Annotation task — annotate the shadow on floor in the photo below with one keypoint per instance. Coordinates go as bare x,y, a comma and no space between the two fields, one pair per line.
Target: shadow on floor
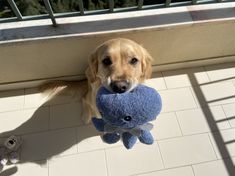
46,143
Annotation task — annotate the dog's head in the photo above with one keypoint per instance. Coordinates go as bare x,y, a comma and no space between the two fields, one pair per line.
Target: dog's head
119,65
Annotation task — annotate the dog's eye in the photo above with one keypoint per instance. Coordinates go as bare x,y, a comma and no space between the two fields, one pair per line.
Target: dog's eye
107,61
134,61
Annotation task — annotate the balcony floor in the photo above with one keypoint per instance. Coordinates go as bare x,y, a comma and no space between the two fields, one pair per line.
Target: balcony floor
195,133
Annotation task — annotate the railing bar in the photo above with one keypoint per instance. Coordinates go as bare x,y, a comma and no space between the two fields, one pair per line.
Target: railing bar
111,5
6,20
207,2
50,12
15,9
140,4
81,7
194,2
168,3
175,4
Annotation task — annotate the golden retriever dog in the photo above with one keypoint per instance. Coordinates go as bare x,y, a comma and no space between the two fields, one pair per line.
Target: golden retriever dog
117,64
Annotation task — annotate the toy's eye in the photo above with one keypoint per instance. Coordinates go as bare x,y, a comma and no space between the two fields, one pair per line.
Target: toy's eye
127,118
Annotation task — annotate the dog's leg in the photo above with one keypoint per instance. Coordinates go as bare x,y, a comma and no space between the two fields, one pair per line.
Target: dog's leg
89,105
87,109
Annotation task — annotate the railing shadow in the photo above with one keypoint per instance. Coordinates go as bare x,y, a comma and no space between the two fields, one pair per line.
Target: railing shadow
47,147
209,117
220,143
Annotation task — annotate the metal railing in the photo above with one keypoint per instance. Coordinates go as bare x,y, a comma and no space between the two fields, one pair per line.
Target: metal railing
140,6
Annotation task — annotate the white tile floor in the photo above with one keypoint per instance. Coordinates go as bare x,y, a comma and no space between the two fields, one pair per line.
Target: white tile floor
195,133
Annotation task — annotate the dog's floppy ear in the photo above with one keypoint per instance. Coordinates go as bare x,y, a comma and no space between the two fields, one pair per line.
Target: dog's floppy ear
91,72
146,64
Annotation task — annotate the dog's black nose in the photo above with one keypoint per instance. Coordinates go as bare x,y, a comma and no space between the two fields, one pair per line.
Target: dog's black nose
119,86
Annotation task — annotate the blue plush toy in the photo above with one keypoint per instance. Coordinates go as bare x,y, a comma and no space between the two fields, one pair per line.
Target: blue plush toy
126,115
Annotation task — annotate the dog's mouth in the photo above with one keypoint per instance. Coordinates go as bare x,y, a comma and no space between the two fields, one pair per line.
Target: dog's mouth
119,86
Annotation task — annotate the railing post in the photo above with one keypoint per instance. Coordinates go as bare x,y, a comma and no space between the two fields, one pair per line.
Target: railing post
50,12
168,2
194,2
140,4
15,9
111,5
81,7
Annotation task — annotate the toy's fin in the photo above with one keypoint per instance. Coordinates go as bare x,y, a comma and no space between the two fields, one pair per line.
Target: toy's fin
111,138
146,137
98,123
146,127
128,140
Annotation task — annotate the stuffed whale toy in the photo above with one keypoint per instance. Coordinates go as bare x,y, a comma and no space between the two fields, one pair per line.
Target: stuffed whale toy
127,115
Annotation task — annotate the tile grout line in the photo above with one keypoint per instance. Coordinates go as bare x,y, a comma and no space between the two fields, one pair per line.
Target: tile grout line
24,100
176,116
193,170
176,167
106,162
197,108
196,101
229,121
77,139
185,72
23,109
194,85
48,168
49,119
74,154
188,135
181,166
188,165
159,149
120,145
163,77
61,128
16,110
212,146
202,106
206,71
